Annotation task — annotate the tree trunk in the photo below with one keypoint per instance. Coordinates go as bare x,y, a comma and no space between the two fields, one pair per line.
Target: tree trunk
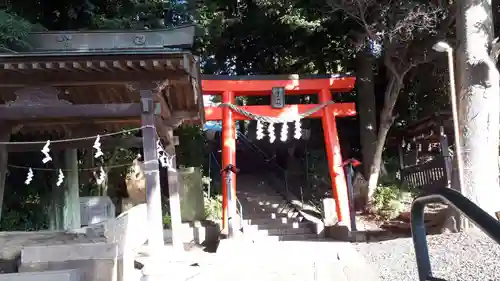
367,108
386,120
479,110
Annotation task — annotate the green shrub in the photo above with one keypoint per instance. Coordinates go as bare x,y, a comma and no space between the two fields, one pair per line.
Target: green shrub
167,221
388,200
213,207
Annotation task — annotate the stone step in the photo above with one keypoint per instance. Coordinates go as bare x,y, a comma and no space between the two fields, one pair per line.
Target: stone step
267,220
288,237
268,215
265,210
252,197
255,230
295,224
263,204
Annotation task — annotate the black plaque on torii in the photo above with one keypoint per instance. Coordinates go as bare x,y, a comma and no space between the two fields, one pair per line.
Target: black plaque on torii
278,97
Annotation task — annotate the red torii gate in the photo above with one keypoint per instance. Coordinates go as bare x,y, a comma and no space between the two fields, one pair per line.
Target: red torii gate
230,86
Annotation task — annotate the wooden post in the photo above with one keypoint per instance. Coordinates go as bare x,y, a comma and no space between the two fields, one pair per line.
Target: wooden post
174,199
71,209
4,137
152,173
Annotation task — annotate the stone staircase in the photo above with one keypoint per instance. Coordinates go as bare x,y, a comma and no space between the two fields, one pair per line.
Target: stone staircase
266,214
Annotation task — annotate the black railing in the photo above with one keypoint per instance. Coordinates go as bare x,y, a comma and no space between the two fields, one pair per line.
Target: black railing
456,200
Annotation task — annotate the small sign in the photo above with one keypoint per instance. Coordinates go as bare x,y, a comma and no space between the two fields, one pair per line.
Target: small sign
278,97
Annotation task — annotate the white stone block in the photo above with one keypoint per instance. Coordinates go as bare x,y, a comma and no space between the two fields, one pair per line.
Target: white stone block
56,275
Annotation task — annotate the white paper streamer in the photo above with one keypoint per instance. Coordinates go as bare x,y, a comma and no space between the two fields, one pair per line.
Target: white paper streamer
298,129
162,155
60,178
45,150
102,176
270,132
170,163
29,177
260,130
97,147
284,132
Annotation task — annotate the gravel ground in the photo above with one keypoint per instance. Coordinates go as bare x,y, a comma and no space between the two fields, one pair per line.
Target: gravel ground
458,256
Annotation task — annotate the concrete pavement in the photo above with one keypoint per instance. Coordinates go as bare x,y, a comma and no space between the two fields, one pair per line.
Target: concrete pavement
274,261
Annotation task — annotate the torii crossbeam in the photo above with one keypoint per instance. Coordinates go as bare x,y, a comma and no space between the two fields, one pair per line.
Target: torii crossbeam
230,86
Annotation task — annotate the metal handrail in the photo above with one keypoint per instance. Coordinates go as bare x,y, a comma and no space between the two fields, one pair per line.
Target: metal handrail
456,200
240,206
273,165
240,210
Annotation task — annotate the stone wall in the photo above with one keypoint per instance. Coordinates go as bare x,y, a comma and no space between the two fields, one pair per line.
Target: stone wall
103,252
191,194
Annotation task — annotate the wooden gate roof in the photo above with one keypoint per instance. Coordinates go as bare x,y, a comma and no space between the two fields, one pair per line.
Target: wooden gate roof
99,77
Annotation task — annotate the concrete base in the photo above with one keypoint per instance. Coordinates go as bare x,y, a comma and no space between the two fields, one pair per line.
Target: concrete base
198,232
235,245
98,262
338,232
172,271
56,275
11,244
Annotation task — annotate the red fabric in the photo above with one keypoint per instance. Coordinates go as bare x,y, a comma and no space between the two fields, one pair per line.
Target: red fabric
354,162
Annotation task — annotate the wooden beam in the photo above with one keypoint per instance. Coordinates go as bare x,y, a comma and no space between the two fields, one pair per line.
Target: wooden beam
59,78
178,117
340,110
129,121
16,113
256,87
106,143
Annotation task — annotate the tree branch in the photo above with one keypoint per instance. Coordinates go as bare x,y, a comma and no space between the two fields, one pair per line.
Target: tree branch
390,65
356,10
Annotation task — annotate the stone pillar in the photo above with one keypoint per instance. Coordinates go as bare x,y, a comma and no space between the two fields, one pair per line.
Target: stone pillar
4,137
71,209
57,198
174,199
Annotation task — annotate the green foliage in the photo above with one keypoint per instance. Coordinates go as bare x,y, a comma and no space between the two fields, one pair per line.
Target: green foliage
213,207
128,15
387,200
167,221
391,197
192,149
27,217
13,32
